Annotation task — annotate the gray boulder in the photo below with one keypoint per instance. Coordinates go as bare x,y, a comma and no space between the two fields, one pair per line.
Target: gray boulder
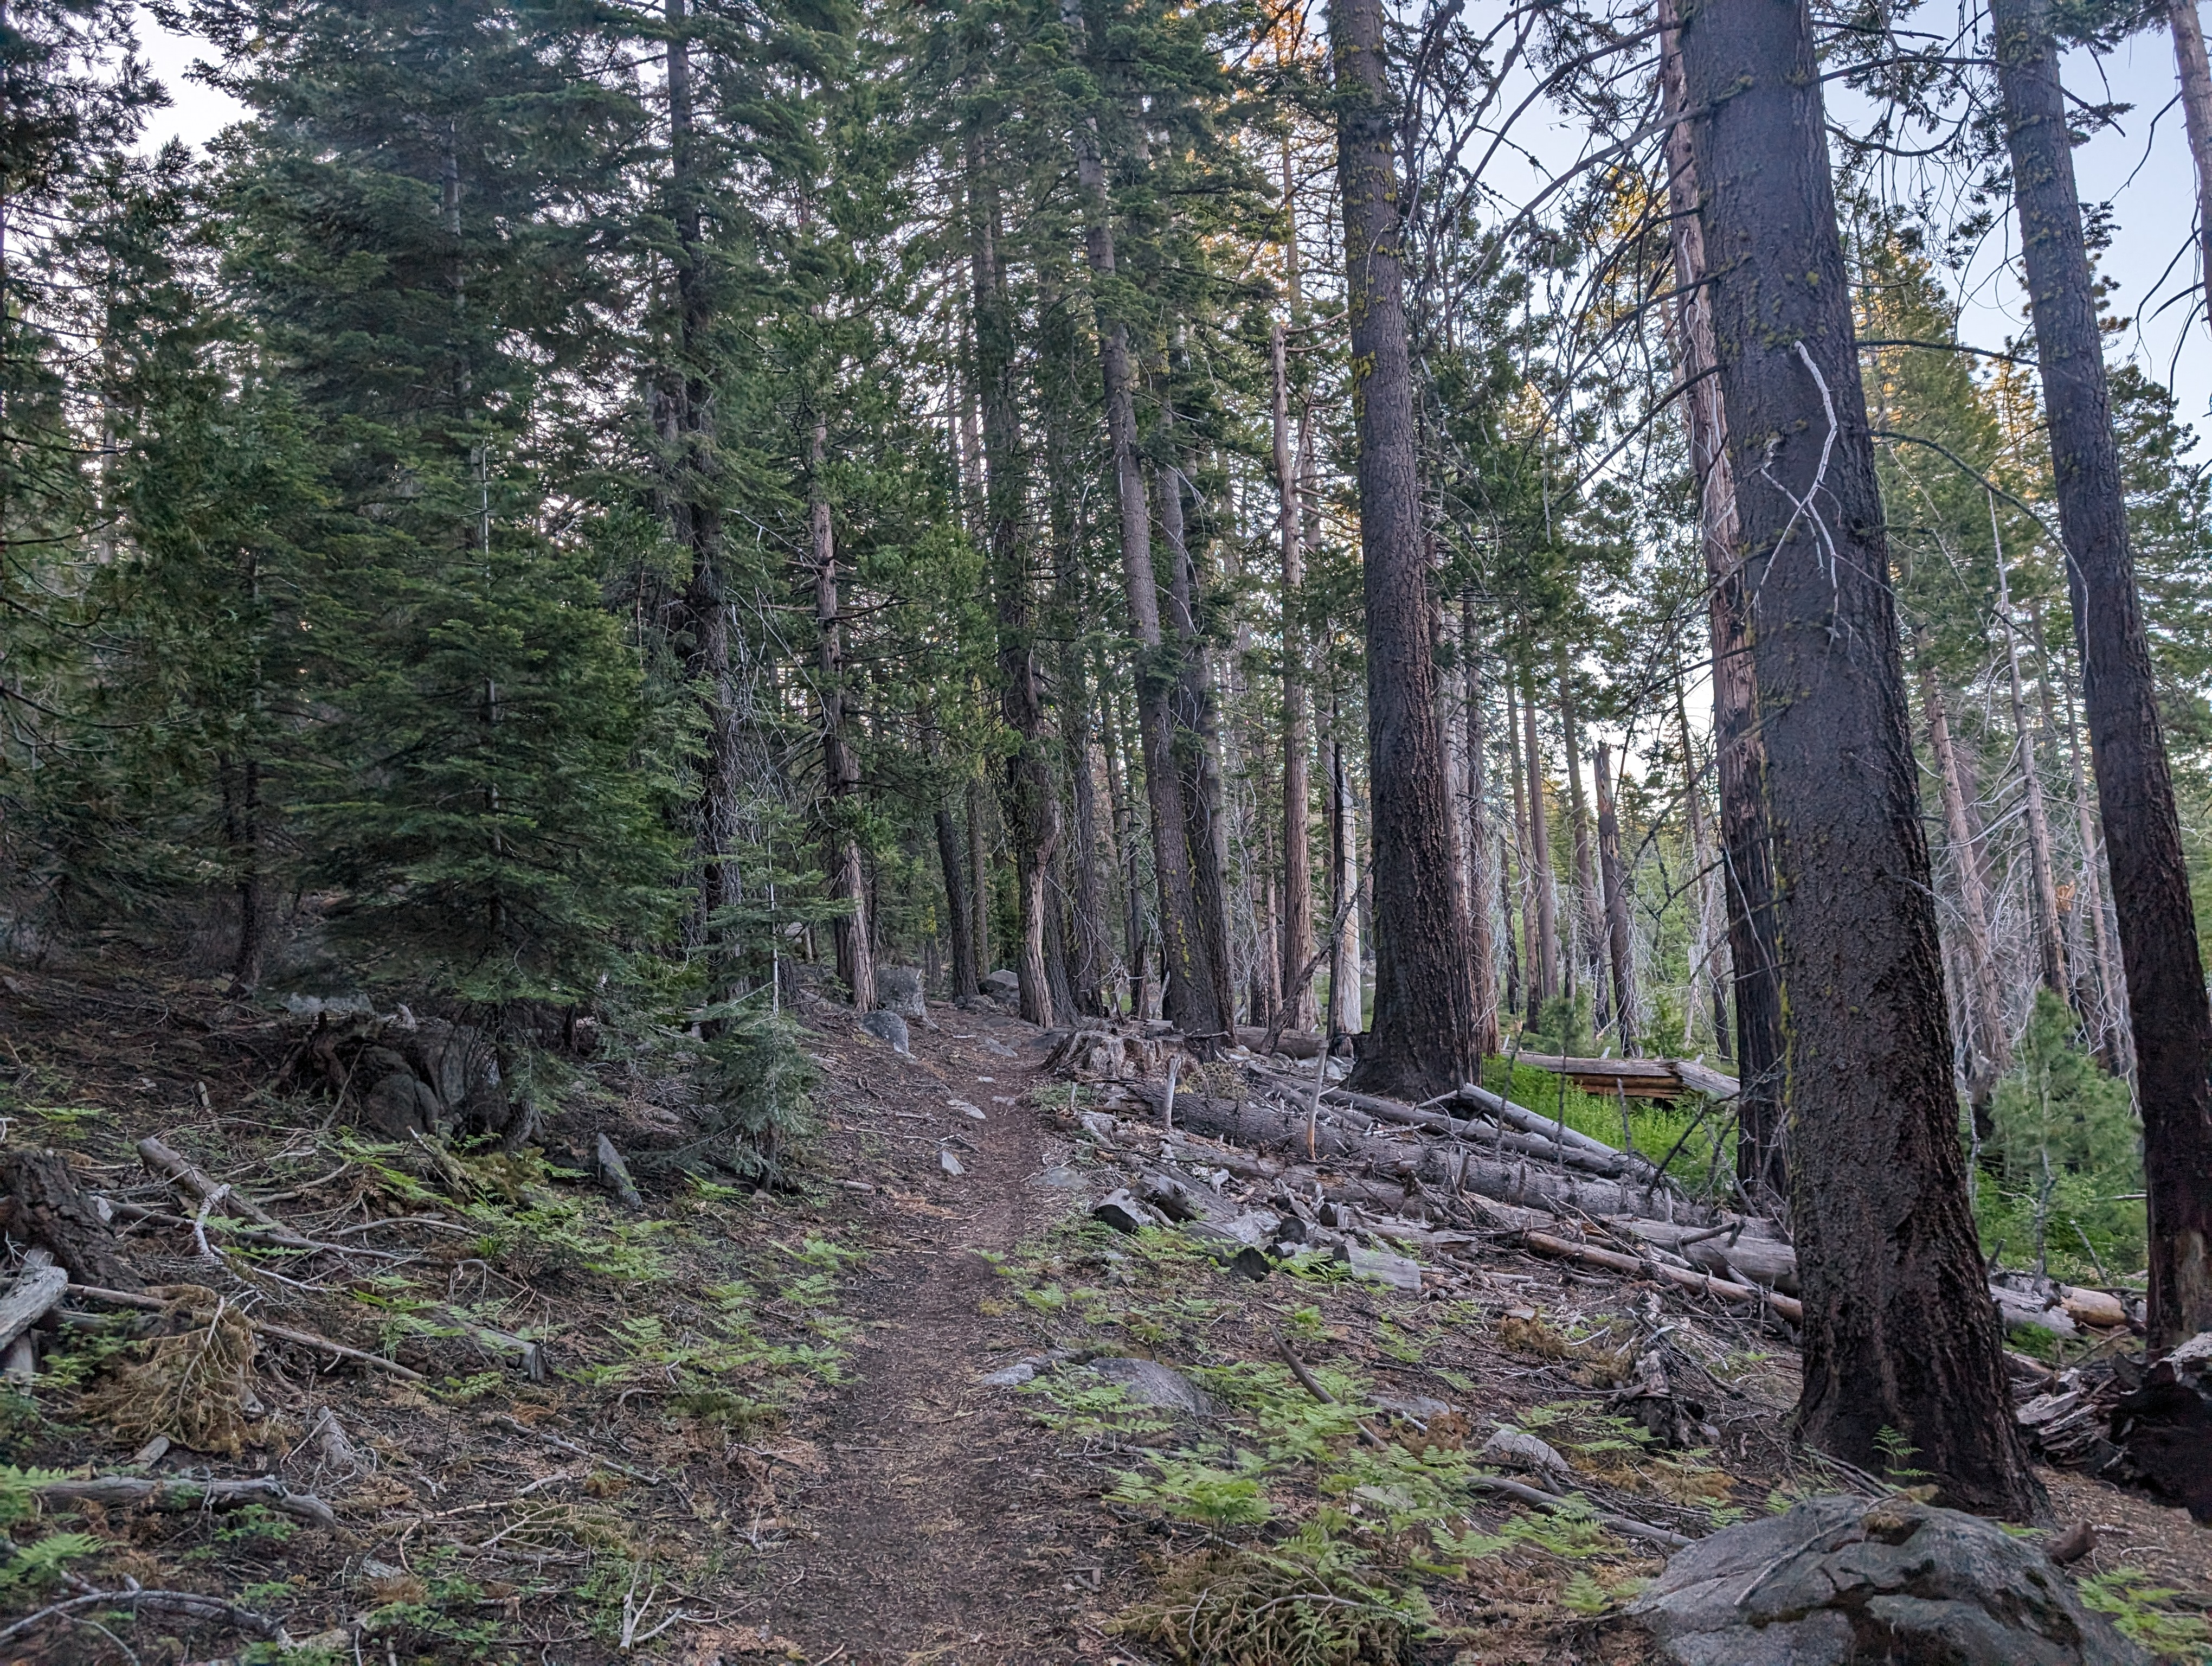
898,989
1149,1382
887,1027
1002,985
1845,1582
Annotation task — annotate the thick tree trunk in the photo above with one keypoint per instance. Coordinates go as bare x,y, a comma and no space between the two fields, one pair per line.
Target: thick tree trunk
1197,739
1900,1332
2143,832
1479,886
1739,750
1297,735
2189,58
1190,998
1421,1040
1991,1040
840,765
1545,966
1616,901
1035,819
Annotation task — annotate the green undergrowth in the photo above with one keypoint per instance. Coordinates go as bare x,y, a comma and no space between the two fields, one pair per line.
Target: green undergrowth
1289,1536
2058,1181
1696,1143
2146,1612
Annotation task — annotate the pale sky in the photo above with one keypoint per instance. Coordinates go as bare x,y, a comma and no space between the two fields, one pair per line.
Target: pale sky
2142,169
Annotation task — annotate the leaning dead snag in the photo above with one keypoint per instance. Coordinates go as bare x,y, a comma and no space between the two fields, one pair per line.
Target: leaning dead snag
1899,1334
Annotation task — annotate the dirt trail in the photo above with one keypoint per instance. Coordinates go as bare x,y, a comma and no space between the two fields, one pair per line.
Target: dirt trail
928,1530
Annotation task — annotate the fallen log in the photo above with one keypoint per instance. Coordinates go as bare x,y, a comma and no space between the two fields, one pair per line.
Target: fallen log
1456,1167
1608,1164
165,1493
1648,1267
186,1604
199,1185
1291,1044
37,1289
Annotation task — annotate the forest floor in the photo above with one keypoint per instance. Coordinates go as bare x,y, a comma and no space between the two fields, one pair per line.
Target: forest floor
759,1427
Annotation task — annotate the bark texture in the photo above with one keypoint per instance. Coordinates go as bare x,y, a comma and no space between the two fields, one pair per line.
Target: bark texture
2167,1002
2196,75
685,418
1616,901
1297,735
1739,751
1990,1038
1479,882
1188,999
1421,1039
1900,1332
1035,818
840,764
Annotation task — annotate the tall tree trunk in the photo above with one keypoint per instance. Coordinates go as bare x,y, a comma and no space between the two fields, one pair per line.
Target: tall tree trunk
2049,946
840,765
1035,821
1526,977
1710,908
965,983
1616,901
1899,1330
2167,1001
2114,1050
959,922
978,869
1197,739
1086,968
1298,739
1421,1040
1479,886
1592,923
1347,1007
1739,750
1125,840
695,517
2189,58
1991,1040
1546,978
1190,998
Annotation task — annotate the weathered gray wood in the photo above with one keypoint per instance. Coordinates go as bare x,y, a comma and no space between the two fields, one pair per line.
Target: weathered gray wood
166,1494
614,1175
37,1291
